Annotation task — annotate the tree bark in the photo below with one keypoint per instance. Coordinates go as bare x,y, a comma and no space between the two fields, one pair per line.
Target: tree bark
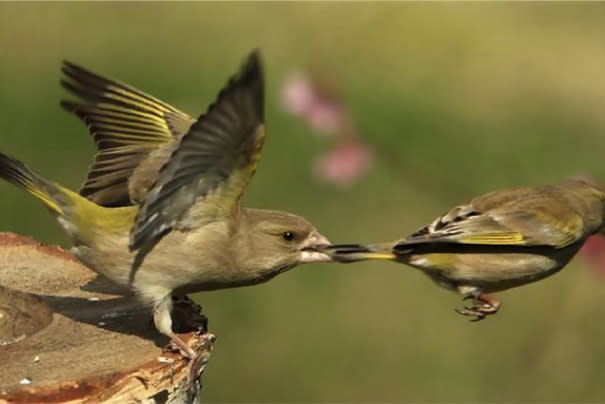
69,336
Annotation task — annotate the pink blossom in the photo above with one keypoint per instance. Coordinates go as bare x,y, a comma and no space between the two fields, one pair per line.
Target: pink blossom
319,105
345,163
593,252
298,94
326,117
306,98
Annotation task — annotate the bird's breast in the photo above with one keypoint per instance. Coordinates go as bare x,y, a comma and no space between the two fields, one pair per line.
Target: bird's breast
492,271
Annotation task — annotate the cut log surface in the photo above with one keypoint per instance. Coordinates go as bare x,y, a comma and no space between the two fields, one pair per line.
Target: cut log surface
68,336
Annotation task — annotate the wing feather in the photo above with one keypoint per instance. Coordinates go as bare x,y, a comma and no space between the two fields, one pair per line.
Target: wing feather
119,117
530,218
213,163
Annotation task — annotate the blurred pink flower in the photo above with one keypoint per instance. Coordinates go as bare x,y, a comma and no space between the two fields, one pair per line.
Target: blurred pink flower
345,163
326,117
593,252
315,99
298,94
305,98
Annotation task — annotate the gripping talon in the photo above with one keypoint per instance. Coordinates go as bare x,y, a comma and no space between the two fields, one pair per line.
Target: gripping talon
470,312
170,347
478,317
482,307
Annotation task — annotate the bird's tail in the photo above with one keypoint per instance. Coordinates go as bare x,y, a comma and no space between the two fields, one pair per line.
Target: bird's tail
78,216
346,253
18,174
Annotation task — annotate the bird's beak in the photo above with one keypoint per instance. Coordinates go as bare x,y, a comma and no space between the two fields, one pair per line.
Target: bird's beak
311,249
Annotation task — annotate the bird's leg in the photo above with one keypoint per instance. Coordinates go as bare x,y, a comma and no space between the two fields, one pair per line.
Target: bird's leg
195,321
483,305
163,322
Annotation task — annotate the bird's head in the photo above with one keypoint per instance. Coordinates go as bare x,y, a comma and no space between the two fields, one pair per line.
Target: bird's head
281,240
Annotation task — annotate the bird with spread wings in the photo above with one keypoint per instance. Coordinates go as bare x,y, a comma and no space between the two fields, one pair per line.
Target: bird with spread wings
160,212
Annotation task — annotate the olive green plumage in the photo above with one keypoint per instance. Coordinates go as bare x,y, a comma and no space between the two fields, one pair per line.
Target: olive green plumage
496,241
160,210
135,135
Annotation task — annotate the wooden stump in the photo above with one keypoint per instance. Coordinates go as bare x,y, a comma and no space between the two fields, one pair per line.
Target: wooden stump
68,336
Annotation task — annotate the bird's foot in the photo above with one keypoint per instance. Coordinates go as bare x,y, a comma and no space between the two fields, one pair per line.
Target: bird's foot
196,361
483,306
177,344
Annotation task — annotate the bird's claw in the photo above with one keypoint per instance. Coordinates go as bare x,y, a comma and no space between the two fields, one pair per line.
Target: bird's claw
183,350
478,311
468,311
172,347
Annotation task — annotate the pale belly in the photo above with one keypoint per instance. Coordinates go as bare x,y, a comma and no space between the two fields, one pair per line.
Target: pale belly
490,272
180,259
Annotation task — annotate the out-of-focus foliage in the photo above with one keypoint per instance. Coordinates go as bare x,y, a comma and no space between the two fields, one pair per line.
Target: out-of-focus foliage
454,99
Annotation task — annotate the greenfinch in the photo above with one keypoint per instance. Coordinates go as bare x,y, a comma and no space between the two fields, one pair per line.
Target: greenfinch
163,196
497,241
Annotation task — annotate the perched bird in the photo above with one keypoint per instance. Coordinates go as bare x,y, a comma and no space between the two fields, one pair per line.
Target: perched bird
496,241
177,184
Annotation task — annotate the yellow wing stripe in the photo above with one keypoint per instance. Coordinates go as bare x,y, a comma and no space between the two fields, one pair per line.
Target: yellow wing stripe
129,98
138,139
129,112
146,100
110,119
130,129
494,239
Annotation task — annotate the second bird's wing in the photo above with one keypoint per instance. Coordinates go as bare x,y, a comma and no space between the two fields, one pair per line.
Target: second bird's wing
521,217
206,175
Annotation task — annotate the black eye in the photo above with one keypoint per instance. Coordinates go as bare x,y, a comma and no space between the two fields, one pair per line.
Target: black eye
288,236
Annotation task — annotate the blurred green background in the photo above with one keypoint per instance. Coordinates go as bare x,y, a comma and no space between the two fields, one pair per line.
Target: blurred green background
455,99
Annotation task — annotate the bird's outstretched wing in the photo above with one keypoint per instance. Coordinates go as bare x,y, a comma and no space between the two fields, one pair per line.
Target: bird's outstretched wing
126,125
207,174
506,218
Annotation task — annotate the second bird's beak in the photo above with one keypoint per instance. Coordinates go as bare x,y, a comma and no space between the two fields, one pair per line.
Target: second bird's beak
311,249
